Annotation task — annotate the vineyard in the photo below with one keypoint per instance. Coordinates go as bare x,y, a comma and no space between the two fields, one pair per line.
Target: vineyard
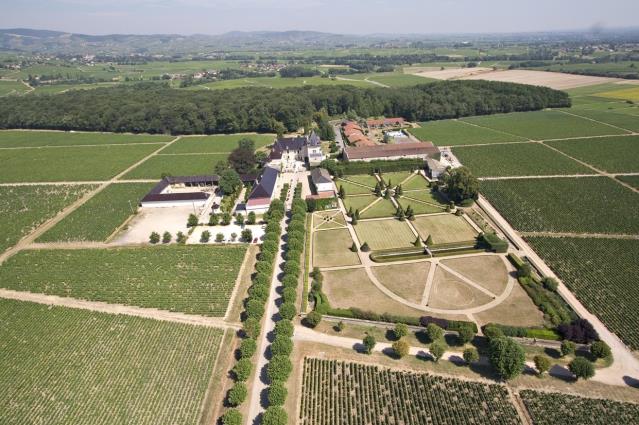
556,408
625,121
216,144
518,159
189,279
585,204
611,154
176,165
600,273
338,392
23,208
15,139
100,216
65,366
458,132
631,180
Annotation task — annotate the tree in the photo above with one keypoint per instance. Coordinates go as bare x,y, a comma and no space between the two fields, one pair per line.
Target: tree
287,311
277,393
219,237
507,357
242,158
154,238
239,219
365,247
434,332
342,192
465,334
582,368
401,348
282,345
460,184
550,284
166,237
418,242
401,330
237,394
251,218
248,346
279,368
242,370
471,355
192,221
378,190
232,417
354,247
600,350
567,348
226,219
214,220
229,181
429,240
251,327
180,238
205,236
340,326
524,271
399,191
275,415
313,319
369,343
354,220
542,363
437,350
247,235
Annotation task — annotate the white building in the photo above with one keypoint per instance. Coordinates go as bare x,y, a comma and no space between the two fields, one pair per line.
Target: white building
290,153
322,181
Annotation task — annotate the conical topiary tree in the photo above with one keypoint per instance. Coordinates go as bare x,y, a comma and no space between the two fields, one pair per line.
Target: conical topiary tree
429,240
354,247
365,247
417,243
378,190
356,214
398,190
342,192
350,212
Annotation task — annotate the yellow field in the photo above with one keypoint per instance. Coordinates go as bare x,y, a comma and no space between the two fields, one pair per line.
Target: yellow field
625,94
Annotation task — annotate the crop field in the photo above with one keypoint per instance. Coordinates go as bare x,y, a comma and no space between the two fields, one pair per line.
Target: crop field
62,88
459,132
385,234
279,83
520,159
618,154
631,180
383,208
8,88
555,408
216,144
189,279
565,204
337,392
23,208
331,248
623,94
600,273
620,120
100,216
176,165
542,125
16,139
444,228
69,163
78,367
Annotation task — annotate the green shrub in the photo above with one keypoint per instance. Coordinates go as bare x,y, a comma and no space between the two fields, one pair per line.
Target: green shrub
550,283
205,236
434,332
166,237
401,348
282,345
465,334
277,393
251,327
600,350
242,370
288,311
471,355
154,238
285,328
255,308
289,295
279,368
232,417
237,394
313,319
275,415
192,221
582,368
568,347
248,346
401,330
542,363
507,357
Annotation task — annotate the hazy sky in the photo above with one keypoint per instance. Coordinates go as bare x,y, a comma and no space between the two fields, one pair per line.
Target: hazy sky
338,16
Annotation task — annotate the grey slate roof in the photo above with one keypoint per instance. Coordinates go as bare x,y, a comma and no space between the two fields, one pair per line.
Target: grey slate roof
266,186
320,175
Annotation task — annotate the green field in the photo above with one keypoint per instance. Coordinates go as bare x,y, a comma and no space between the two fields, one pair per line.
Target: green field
61,88
444,228
622,120
385,234
358,202
520,159
583,205
176,165
459,132
279,83
364,179
23,208
600,272
69,163
216,144
12,138
542,125
100,216
612,154
190,279
331,248
353,189
8,88
417,206
65,366
631,180
383,208
417,182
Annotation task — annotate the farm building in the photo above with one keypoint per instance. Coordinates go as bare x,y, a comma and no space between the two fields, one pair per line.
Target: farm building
355,135
322,181
390,152
260,198
386,122
434,168
289,152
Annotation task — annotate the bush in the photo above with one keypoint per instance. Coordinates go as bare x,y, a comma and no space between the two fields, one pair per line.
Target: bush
287,311
401,348
282,345
313,319
255,308
214,220
232,417
192,221
248,346
237,394
154,238
251,327
471,355
369,343
550,283
166,237
365,247
492,332
251,218
275,415
434,332
567,348
465,335
401,330
284,328
524,271
507,357
582,368
247,235
180,238
277,394
259,292
279,368
600,350
437,349
242,370
579,330
205,236
289,295
542,363
219,237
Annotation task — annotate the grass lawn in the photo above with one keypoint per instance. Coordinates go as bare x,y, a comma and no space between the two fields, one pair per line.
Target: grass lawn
23,208
176,165
456,132
406,280
516,310
520,159
426,195
383,208
444,228
213,144
451,293
14,138
489,271
69,163
541,125
364,179
353,189
612,154
396,178
80,367
419,207
331,248
332,219
358,202
189,279
385,234
417,182
100,216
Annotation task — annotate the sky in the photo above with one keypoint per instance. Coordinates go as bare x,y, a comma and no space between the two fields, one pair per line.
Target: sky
336,16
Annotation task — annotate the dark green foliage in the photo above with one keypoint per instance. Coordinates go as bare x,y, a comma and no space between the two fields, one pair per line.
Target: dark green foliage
277,394
567,348
251,327
282,345
248,346
313,319
192,221
166,237
471,355
180,238
507,357
542,363
284,327
437,350
237,394
401,330
365,247
275,415
251,218
289,295
279,368
582,368
460,184
287,311
214,220
600,350
205,236
154,238
465,334
242,370
369,343
255,308
434,332
550,284
232,417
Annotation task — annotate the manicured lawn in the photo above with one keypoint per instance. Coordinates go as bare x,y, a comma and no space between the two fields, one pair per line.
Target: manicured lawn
101,215
456,132
444,228
383,208
23,208
611,154
520,159
331,248
14,138
358,202
419,207
364,179
417,182
69,163
427,196
353,189
66,366
328,220
190,279
385,234
406,280
212,144
176,165
396,177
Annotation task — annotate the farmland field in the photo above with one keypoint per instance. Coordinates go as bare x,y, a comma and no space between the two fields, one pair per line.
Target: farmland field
621,120
541,125
8,87
612,154
80,367
13,139
100,216
23,208
459,132
600,273
176,165
69,163
623,94
216,144
189,279
631,180
555,408
565,204
444,228
337,392
521,159
385,234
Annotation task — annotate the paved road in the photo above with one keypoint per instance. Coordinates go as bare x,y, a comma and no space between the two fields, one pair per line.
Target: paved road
338,137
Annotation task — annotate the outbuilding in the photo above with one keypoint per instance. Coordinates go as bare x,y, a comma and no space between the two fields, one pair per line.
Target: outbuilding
322,180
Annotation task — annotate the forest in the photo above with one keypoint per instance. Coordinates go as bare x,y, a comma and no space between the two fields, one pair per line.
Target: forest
156,108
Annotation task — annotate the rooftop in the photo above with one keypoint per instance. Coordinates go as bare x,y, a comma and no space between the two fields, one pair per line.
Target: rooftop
385,151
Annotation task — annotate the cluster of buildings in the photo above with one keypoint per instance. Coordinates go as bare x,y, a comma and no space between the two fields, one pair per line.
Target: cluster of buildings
291,153
355,135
